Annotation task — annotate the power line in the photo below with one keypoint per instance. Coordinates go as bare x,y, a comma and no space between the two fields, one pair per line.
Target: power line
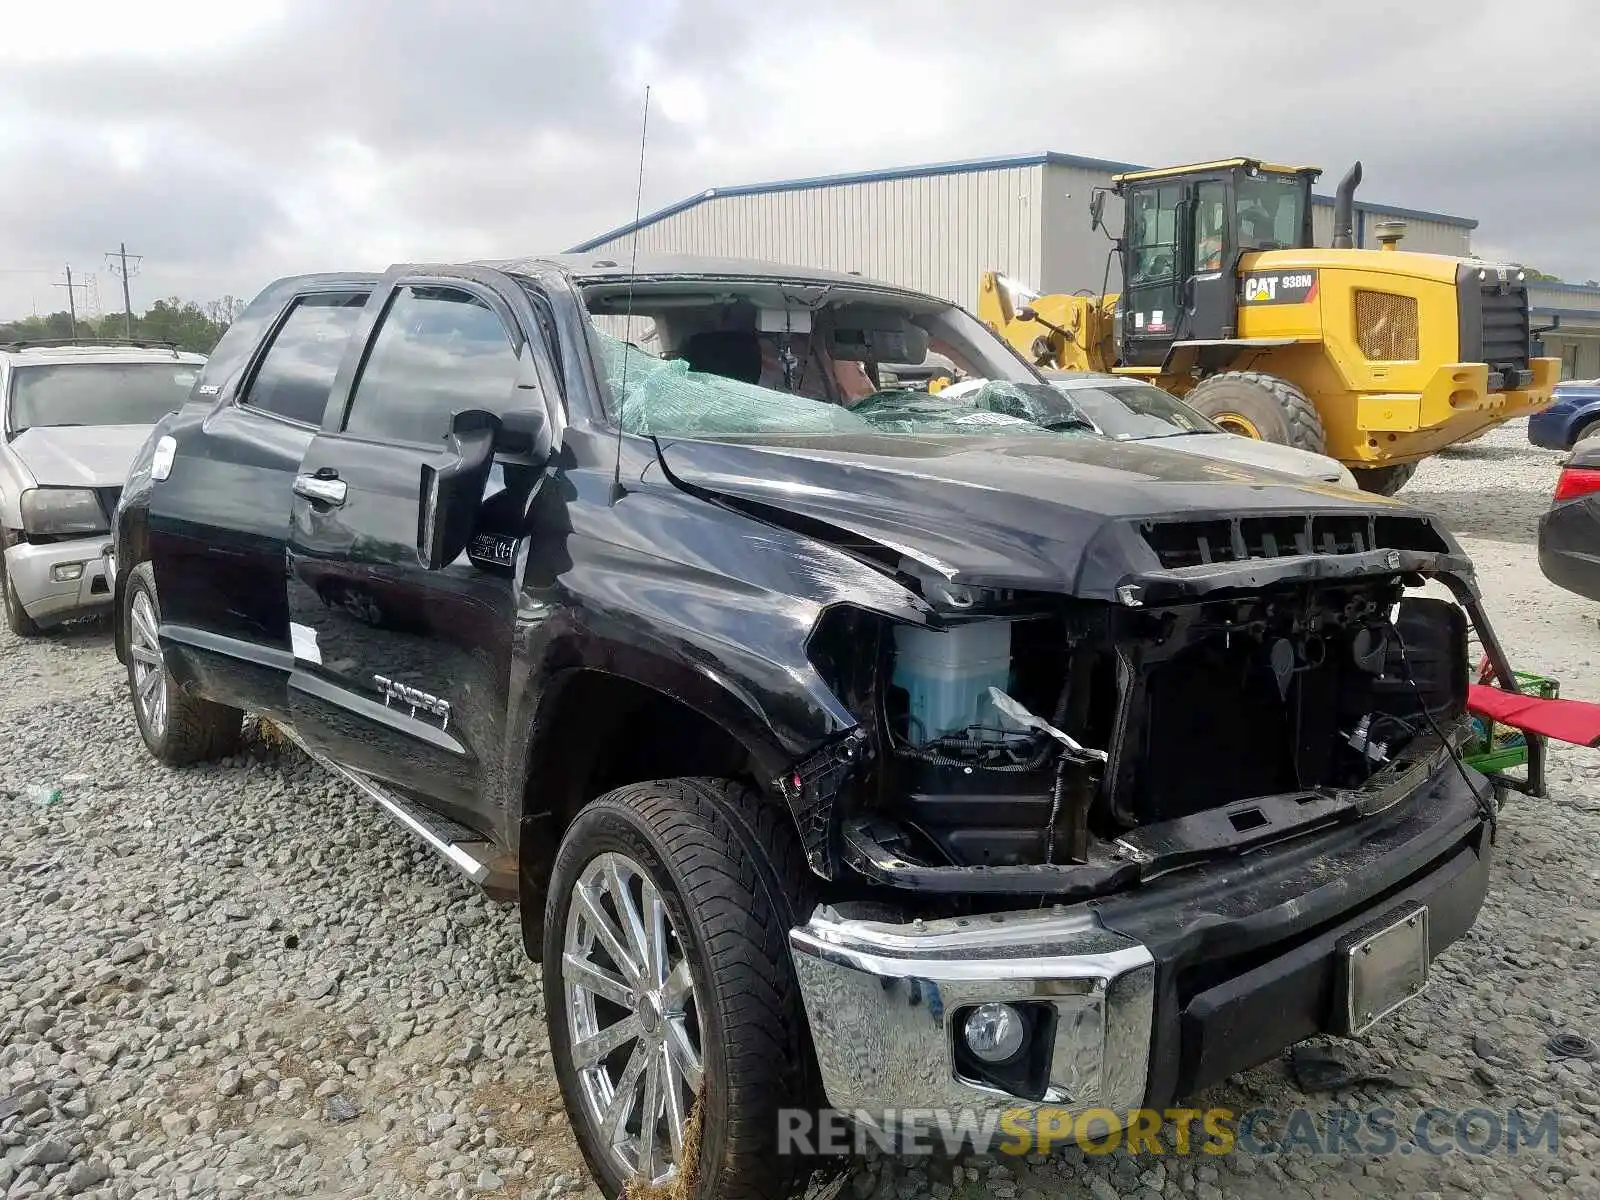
117,260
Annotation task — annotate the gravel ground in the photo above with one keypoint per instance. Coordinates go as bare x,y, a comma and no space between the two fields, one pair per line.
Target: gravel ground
240,980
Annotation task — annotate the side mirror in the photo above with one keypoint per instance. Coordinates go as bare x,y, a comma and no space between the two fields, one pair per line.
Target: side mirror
452,487
525,426
1097,209
524,431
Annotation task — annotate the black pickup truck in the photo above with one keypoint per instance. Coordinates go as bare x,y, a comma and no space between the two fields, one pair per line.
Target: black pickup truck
843,746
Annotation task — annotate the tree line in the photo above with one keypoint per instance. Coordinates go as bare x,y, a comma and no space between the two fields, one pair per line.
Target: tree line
187,324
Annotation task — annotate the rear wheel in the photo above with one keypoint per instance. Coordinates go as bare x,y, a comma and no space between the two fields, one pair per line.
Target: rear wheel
17,618
1385,481
1261,406
178,728
676,1024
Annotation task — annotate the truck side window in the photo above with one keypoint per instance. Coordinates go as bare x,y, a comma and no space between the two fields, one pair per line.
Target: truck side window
297,371
439,350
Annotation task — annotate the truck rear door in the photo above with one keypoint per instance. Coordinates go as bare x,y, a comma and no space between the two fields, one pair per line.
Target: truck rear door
401,671
219,525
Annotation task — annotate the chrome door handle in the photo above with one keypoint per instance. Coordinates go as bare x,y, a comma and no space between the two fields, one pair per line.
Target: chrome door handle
321,490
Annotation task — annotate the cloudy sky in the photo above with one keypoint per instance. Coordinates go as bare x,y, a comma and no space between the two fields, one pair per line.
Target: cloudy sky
231,143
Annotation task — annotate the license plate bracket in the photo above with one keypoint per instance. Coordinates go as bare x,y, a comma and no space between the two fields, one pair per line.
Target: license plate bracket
1382,966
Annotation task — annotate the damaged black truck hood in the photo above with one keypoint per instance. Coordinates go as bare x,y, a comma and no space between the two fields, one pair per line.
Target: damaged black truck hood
1054,513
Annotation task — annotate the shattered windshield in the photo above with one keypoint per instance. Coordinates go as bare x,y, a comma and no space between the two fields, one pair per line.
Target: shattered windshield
1135,411
721,359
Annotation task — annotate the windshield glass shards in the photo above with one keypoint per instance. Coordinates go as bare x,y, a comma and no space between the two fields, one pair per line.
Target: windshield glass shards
720,359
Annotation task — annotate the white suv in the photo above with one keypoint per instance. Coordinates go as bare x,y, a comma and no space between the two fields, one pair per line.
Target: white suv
72,414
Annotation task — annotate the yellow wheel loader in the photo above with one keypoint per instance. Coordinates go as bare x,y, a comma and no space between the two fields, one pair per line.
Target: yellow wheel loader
1378,358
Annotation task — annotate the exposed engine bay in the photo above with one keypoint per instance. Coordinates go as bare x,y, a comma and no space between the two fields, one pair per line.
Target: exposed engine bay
1101,742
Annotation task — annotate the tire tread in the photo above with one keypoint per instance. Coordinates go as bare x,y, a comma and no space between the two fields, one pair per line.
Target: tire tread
1305,428
742,875
198,730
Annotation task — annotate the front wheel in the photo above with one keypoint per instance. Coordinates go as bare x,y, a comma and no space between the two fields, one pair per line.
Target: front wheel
17,618
1385,481
676,1025
178,728
1261,406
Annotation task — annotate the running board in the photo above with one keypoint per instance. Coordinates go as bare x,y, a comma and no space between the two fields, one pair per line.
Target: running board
459,846
480,860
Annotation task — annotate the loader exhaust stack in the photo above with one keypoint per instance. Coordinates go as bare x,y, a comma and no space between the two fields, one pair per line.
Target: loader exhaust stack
1344,224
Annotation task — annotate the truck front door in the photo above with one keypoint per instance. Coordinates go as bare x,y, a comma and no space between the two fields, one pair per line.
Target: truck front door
402,671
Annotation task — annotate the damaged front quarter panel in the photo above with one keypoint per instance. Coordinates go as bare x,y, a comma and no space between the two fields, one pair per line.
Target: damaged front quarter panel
1222,682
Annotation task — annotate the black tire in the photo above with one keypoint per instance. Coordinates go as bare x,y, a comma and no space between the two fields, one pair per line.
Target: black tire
192,729
17,618
1279,411
1385,481
1590,429
730,874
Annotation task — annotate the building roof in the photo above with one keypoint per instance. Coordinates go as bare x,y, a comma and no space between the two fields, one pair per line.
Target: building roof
959,167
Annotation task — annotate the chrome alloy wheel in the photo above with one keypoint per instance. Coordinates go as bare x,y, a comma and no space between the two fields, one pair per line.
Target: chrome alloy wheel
149,670
631,1016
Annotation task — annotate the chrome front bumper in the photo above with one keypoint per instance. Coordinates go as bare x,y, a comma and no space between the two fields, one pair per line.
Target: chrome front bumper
884,1002
62,579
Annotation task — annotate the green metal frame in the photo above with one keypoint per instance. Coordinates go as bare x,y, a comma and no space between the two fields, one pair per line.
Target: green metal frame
1496,747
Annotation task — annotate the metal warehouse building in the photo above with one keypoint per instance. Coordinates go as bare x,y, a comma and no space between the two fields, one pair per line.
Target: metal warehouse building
938,227
1571,314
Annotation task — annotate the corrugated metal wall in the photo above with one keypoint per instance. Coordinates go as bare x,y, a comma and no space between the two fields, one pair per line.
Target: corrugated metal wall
1074,253
1576,339
1563,296
936,233
939,233
1433,237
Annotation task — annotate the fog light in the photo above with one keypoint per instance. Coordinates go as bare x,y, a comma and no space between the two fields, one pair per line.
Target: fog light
995,1033
66,572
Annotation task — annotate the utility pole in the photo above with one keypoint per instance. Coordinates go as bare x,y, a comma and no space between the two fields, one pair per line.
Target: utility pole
72,300
117,260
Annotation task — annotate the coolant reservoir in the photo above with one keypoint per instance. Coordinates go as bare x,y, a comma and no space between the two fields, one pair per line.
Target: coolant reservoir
948,673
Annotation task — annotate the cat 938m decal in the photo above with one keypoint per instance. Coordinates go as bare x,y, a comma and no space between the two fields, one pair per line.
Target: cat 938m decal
1278,287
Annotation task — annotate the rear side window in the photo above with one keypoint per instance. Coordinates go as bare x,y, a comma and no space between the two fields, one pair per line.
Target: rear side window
439,350
296,374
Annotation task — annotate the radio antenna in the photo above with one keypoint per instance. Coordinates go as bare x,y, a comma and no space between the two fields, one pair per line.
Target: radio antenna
633,270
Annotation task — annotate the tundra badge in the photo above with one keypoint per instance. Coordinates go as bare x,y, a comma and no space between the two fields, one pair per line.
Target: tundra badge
413,699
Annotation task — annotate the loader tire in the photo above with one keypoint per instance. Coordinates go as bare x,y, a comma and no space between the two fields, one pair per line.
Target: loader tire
1255,404
1385,481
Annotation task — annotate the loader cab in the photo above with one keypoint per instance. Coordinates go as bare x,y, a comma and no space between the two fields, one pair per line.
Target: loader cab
1184,230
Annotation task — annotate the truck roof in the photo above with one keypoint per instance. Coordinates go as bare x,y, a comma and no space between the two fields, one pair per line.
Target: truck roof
600,268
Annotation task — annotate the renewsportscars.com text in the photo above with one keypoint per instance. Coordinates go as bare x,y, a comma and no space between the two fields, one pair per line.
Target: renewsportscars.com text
1211,1131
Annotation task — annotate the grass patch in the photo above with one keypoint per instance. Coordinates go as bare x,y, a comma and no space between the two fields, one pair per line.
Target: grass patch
686,1184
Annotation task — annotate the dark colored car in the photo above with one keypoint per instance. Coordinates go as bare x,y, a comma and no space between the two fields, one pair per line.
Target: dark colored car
1573,415
1569,532
840,747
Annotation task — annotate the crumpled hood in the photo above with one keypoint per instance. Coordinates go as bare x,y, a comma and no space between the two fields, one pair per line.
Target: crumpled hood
1267,455
71,456
1028,512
